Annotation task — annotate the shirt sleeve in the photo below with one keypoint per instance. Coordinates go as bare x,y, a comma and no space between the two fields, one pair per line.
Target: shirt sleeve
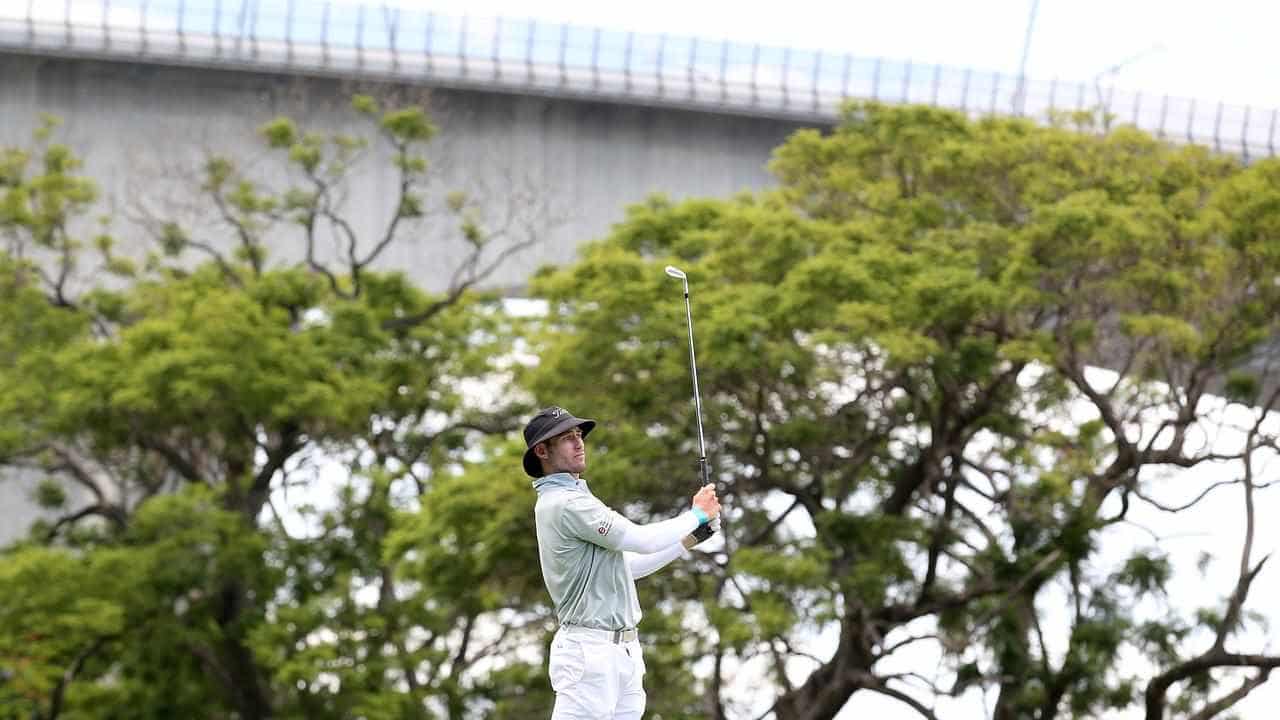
642,565
586,518
651,538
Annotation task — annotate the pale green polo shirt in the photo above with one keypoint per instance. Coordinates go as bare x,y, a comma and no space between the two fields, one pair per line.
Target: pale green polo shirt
585,572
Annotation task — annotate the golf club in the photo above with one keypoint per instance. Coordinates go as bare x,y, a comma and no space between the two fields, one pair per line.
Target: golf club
705,471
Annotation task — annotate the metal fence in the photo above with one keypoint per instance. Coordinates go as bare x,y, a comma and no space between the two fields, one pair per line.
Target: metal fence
528,56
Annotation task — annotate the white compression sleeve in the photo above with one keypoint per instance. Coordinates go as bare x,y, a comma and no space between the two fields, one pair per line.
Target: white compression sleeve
642,565
651,538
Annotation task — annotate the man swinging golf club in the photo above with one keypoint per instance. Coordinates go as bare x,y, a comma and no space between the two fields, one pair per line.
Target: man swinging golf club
591,557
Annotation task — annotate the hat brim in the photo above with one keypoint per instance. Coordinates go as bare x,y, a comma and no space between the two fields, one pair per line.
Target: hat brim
532,465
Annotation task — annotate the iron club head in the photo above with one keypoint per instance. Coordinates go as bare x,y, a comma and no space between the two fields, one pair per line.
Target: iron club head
676,272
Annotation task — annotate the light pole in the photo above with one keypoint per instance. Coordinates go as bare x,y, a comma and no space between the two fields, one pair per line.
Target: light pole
1020,96
1113,71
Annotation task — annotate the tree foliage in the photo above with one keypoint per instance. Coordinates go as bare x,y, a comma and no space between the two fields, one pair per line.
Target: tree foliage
900,352
943,364
167,400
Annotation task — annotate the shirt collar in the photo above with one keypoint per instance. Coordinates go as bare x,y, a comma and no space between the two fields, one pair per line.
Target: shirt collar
558,480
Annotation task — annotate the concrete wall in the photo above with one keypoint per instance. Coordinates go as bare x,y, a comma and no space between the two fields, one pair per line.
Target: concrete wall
566,169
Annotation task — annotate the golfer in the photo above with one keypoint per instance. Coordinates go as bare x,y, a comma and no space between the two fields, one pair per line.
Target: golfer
591,557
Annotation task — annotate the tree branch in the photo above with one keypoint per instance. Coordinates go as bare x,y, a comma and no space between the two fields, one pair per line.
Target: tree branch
1230,699
59,690
878,685
1159,685
111,512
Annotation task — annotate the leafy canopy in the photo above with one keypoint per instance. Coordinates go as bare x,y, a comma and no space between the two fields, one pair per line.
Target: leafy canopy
899,352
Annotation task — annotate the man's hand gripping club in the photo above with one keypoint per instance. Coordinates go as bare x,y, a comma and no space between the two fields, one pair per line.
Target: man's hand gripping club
706,502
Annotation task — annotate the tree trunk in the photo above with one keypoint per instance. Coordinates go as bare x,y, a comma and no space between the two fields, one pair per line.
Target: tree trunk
829,687
248,692
251,696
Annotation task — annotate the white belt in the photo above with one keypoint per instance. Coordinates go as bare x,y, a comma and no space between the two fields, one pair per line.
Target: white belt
625,635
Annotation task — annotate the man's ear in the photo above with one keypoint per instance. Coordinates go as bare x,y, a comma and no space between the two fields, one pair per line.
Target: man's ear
541,452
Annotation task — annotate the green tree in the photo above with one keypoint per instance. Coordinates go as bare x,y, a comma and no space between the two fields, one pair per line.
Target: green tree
898,353
167,404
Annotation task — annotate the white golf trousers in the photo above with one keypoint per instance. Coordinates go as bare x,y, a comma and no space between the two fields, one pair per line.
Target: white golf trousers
594,677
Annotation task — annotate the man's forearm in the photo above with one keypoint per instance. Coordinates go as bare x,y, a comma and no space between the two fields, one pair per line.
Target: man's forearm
646,539
643,565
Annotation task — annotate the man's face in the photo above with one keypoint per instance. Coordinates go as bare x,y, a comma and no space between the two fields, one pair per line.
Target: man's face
566,452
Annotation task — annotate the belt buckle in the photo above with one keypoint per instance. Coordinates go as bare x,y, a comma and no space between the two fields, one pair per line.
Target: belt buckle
624,636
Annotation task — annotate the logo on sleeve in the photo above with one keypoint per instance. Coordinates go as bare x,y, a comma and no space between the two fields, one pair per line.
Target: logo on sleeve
605,526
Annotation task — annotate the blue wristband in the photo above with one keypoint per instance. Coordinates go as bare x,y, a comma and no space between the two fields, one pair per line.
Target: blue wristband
702,517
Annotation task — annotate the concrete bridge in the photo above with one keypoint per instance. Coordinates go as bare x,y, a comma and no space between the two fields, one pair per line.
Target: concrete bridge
554,128
579,121
588,119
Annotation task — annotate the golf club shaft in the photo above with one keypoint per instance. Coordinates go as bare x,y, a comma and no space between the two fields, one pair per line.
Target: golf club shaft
697,395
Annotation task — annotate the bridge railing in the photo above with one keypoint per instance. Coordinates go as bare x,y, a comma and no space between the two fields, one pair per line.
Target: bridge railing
522,55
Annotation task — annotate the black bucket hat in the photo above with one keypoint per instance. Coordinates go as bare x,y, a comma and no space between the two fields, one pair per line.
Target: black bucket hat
548,423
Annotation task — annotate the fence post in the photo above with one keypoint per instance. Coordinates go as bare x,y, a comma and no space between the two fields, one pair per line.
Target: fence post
390,21
817,73
844,81
786,78
693,67
530,73
253,30
240,28
324,35
755,75
1244,134
428,42
1217,125
595,60
360,37
462,45
724,72
1271,136
497,50
182,38
662,49
626,62
142,29
288,33
564,50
